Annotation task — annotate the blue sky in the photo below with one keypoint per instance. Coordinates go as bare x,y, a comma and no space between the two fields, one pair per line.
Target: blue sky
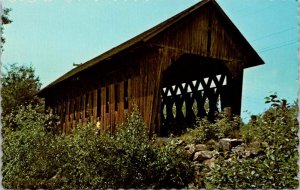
51,35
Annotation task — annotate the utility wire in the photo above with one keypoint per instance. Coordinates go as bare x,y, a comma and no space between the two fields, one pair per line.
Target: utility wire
277,44
276,47
259,10
274,33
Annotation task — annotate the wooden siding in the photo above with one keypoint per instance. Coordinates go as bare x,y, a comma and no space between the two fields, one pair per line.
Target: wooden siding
198,46
203,33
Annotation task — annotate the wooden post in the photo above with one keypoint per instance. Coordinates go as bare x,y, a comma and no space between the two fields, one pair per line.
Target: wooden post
71,113
67,116
90,106
236,93
77,111
227,112
130,102
83,107
112,107
95,104
234,87
121,100
103,107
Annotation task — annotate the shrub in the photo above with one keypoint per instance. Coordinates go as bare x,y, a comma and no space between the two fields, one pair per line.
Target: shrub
24,158
87,158
19,87
205,130
264,172
172,167
277,166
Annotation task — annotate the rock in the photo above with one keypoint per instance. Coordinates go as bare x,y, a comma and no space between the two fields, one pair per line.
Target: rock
239,150
187,147
255,144
227,144
212,145
191,149
247,153
252,151
211,163
163,140
203,155
200,147
179,142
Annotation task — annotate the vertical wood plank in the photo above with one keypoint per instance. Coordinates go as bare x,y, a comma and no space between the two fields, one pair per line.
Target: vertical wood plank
130,89
62,116
67,116
95,104
103,102
107,107
121,104
112,106
84,105
71,112
106,115
140,94
77,108
90,106
117,103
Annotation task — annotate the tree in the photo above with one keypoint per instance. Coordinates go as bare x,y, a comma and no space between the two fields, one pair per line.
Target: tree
4,20
4,17
19,88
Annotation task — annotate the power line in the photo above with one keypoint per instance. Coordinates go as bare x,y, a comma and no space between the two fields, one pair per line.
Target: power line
277,44
259,10
276,47
239,10
274,33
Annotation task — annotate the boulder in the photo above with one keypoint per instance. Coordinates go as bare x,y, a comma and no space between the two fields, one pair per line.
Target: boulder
179,142
255,144
239,150
211,163
200,147
247,153
190,149
252,151
227,144
203,155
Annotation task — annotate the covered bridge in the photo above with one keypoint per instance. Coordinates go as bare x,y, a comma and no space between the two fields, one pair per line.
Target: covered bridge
171,72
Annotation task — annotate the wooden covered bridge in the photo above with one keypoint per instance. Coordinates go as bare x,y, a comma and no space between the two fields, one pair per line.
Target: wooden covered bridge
170,72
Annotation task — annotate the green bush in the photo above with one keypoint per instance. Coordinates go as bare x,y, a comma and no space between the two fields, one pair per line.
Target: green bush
24,158
205,130
34,157
87,158
264,172
19,87
276,167
172,167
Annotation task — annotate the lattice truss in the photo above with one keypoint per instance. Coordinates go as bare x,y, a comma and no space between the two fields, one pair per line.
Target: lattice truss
184,101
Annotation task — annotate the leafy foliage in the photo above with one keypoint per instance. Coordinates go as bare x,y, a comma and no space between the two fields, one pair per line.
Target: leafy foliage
276,167
4,20
206,130
4,16
19,88
88,158
24,157
263,172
